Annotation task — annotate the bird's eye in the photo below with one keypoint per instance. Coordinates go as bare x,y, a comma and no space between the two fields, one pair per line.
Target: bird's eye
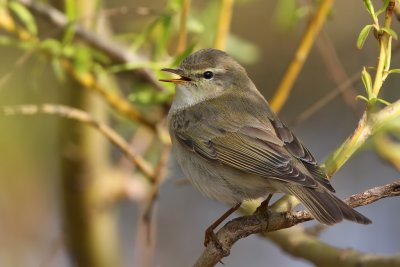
208,75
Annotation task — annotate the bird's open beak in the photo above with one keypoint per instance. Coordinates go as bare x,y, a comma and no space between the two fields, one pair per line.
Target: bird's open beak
179,72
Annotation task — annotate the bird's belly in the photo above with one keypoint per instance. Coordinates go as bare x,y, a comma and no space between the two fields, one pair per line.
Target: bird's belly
219,182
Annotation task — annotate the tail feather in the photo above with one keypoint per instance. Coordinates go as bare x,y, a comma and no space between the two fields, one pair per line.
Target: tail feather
326,207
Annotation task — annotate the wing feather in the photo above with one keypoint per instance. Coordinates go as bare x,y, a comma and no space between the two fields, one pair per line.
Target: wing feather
243,153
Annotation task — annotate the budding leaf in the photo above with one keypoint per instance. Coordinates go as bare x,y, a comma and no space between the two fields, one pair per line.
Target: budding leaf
363,36
366,78
394,71
390,32
369,6
383,8
25,16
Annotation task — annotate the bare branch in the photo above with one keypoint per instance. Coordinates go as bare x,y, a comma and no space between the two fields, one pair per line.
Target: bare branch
300,244
257,223
336,70
84,117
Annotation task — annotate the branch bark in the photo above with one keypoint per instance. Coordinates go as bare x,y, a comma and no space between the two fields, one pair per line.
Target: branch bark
258,222
300,244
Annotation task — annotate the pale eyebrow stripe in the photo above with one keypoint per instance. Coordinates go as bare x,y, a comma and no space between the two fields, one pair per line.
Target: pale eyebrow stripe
217,70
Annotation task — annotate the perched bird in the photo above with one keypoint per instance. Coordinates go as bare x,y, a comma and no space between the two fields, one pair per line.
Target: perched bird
231,145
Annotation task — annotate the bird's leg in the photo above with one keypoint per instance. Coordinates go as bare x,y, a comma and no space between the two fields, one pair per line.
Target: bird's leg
263,208
209,234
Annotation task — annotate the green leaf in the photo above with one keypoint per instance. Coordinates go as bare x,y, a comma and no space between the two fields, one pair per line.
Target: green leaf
58,69
367,80
147,96
363,36
7,41
83,59
369,7
243,50
362,98
394,71
384,102
25,16
383,8
52,46
391,32
69,34
388,57
163,34
286,14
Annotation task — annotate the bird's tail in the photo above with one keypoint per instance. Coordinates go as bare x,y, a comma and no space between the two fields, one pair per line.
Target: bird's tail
326,207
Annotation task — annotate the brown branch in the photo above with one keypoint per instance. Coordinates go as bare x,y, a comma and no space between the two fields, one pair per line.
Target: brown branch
116,51
84,117
156,181
336,70
322,102
257,223
146,222
300,244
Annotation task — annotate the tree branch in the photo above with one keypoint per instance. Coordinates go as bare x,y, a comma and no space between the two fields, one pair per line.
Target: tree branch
284,88
256,223
300,244
182,36
84,117
224,21
116,51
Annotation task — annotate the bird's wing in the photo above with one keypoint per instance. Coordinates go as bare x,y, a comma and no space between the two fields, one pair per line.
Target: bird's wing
254,150
296,148
263,151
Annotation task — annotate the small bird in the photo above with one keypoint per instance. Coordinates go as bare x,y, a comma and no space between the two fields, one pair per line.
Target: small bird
232,146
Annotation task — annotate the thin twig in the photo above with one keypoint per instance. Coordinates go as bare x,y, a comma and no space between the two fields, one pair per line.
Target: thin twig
156,181
244,226
116,51
145,239
300,244
370,122
315,25
87,79
322,102
18,63
336,70
224,23
84,117
384,40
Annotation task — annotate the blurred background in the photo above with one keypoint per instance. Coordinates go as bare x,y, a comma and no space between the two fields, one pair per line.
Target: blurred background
41,154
